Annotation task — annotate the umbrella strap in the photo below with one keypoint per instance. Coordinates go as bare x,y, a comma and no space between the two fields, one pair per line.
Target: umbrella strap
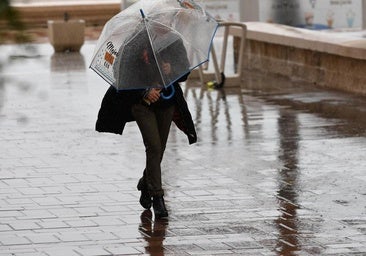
170,95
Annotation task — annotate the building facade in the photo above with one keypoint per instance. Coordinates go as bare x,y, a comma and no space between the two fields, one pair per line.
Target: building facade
312,14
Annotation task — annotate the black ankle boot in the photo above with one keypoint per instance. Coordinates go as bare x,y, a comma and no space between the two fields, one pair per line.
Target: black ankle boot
159,207
145,198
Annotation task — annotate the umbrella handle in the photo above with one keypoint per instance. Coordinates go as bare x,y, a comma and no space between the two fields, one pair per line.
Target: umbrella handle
142,13
167,97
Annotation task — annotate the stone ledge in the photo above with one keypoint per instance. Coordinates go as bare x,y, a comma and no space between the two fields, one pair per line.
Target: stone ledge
93,14
324,59
332,43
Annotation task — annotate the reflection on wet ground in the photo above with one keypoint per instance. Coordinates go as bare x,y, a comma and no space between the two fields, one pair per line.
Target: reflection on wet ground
279,168
291,110
154,232
287,194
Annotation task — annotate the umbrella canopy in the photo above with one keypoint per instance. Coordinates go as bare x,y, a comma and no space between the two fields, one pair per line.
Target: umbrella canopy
153,43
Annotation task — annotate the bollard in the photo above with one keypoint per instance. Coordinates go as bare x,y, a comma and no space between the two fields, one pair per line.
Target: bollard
66,35
217,77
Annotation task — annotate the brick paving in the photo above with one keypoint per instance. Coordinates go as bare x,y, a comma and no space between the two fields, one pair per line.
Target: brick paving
279,168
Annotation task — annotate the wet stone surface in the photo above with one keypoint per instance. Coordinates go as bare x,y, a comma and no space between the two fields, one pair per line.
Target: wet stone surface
279,168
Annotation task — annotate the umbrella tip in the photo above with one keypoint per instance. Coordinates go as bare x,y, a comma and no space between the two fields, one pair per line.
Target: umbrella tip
142,13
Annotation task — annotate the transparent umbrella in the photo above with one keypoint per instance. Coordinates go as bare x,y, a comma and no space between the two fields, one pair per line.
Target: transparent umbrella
153,43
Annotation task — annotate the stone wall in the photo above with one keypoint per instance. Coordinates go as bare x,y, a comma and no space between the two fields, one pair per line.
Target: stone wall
93,14
323,60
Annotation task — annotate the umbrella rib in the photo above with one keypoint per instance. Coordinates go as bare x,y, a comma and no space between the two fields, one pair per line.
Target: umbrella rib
154,53
184,39
183,26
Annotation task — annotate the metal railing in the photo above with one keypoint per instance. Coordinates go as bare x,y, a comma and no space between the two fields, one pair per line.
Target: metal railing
218,76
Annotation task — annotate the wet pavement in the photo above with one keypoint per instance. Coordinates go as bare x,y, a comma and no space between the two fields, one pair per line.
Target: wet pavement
279,168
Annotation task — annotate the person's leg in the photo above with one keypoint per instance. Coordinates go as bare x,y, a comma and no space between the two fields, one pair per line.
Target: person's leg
154,125
164,119
148,125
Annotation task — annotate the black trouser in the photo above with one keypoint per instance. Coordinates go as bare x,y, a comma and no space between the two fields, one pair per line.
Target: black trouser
154,124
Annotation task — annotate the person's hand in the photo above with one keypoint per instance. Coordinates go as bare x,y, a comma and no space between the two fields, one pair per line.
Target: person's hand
167,69
153,95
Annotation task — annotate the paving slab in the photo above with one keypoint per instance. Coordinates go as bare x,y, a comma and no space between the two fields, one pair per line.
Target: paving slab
279,167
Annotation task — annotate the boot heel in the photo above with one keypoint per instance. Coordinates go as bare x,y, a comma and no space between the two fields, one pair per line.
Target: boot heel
159,207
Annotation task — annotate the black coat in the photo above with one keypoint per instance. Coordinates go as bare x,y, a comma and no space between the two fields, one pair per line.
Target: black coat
115,111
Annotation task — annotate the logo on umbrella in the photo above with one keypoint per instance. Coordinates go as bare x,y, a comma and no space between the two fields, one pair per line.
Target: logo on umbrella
108,56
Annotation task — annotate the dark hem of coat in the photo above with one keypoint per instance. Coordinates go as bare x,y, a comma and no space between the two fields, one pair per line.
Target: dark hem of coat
115,112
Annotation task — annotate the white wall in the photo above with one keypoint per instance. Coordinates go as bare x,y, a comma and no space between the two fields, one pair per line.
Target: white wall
249,10
364,14
331,13
222,9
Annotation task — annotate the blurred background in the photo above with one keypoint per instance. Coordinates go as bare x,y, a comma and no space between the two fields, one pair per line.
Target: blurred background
26,20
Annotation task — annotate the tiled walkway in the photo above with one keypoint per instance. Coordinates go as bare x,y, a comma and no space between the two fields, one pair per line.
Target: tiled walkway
279,168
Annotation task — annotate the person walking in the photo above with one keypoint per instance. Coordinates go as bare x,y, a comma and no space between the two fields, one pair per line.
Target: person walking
152,112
